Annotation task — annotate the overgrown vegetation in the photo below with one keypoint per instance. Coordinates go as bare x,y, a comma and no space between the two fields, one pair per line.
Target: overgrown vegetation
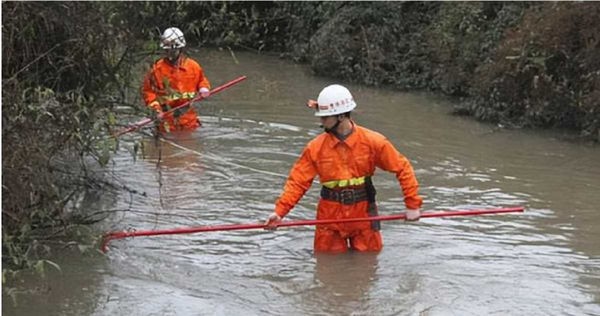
545,72
67,64
470,50
62,71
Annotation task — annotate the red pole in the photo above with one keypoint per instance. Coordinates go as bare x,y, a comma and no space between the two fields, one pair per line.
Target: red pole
135,126
189,230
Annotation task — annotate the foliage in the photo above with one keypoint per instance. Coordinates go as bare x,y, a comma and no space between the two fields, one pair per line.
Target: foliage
374,43
67,64
276,27
62,73
462,36
546,71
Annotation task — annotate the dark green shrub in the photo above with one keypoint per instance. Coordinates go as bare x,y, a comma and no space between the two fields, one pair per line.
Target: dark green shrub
546,72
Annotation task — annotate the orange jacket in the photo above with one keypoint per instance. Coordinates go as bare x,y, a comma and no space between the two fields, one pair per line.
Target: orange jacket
357,156
174,85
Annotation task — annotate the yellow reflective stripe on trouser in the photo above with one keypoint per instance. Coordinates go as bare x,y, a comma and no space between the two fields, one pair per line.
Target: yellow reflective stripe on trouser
344,183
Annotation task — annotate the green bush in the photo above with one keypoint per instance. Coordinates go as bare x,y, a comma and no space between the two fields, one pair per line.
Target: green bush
67,64
374,43
546,71
462,36
63,70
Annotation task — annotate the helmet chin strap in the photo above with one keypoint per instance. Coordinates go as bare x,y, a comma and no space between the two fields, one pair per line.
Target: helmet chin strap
332,130
173,56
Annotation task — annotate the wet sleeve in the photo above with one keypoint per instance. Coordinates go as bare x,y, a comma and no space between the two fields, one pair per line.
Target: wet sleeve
148,87
389,159
299,181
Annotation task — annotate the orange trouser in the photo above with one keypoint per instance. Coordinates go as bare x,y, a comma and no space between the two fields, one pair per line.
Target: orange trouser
327,240
188,121
342,237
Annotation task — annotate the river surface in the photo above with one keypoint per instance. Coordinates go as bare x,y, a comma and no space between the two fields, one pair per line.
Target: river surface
545,261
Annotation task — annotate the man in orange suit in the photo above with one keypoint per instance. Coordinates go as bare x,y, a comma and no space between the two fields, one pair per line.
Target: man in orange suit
174,80
344,158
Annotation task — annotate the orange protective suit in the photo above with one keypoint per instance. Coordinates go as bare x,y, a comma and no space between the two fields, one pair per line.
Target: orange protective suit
173,85
334,160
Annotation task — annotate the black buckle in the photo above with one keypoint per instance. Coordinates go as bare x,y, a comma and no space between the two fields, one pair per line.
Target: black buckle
346,196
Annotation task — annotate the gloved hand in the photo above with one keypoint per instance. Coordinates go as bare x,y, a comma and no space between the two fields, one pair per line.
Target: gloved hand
413,215
272,221
204,92
156,106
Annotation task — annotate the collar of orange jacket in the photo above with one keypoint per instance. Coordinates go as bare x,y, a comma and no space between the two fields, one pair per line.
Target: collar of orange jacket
182,63
350,140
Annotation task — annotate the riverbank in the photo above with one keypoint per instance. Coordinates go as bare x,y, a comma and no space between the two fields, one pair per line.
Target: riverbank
517,64
68,69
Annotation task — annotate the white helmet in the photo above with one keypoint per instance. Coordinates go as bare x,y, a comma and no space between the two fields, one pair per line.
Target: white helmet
334,100
172,38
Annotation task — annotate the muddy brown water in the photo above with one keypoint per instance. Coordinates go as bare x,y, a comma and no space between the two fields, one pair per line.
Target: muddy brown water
545,261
